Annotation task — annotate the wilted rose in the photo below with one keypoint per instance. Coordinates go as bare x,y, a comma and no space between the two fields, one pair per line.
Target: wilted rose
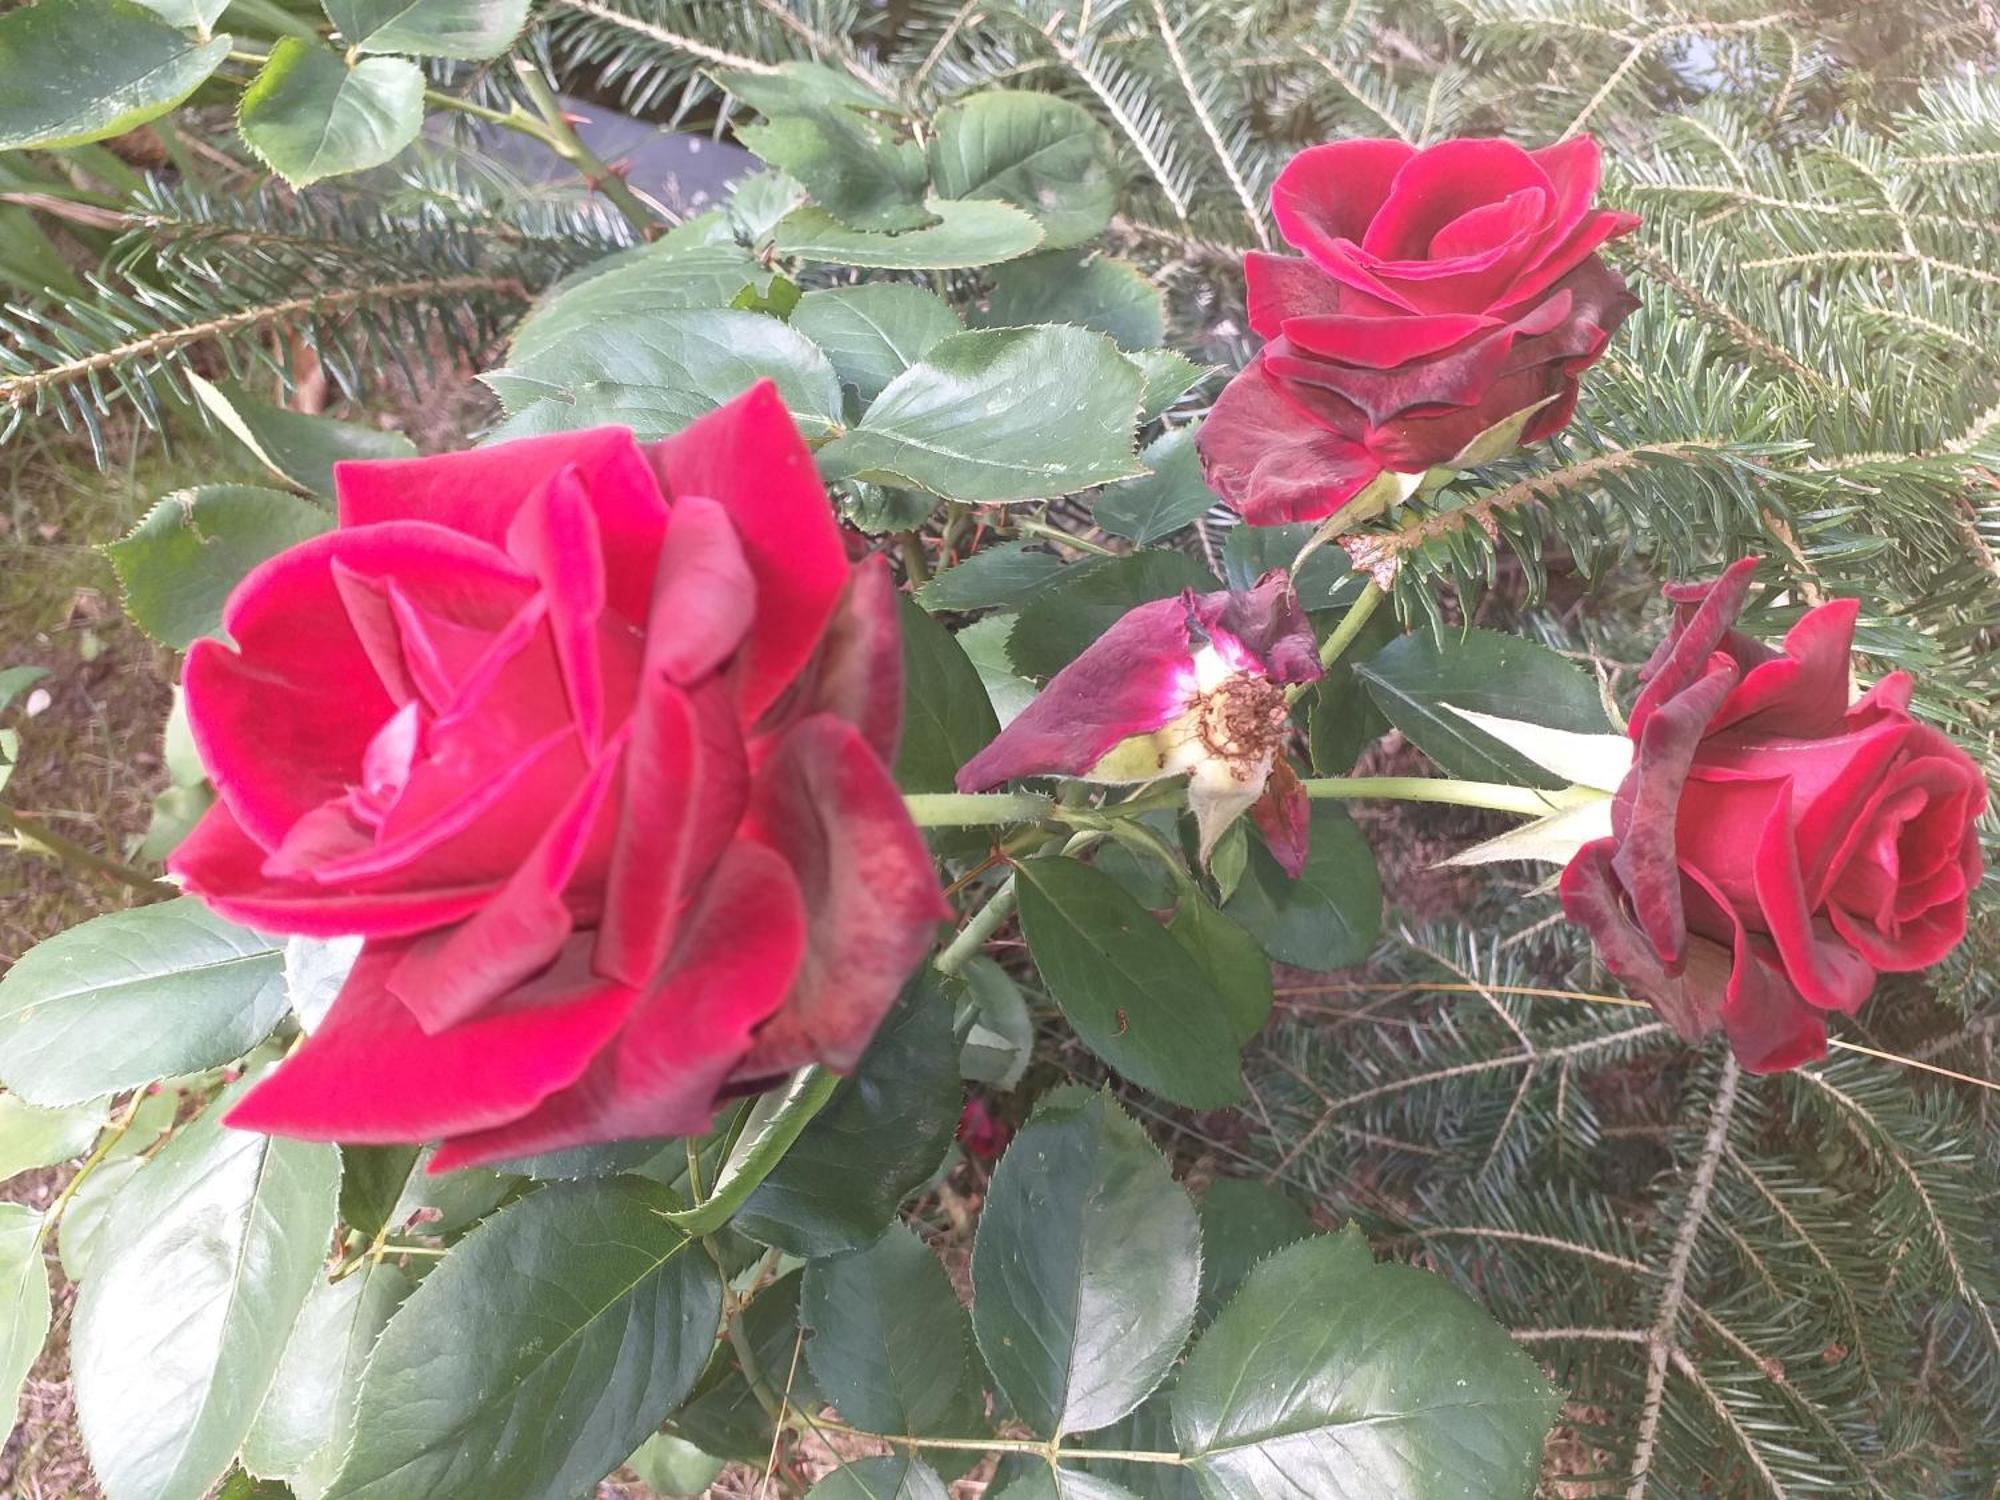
1775,844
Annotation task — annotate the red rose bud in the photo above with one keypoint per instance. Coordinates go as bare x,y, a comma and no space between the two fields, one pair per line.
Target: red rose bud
588,741
1447,302
1192,685
981,1130
1775,845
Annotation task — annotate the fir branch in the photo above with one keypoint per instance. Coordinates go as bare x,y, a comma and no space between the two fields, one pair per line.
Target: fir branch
1251,213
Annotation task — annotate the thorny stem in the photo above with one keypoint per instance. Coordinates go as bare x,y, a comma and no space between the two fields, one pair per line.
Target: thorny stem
1050,1450
1351,625
981,926
28,830
1525,800
112,1136
565,142
987,809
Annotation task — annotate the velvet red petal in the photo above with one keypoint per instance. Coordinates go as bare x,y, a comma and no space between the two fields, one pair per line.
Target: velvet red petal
1274,457
825,803
1683,656
1383,343
857,673
1134,679
1332,192
705,599
663,1073
1805,691
687,783
555,537
1283,814
1438,185
1691,1002
1284,286
478,492
748,457
369,1073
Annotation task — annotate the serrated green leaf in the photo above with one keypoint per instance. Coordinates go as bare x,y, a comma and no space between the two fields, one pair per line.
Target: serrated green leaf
1326,919
661,277
723,1416
863,179
87,69
1003,576
1109,296
1044,1483
32,1137
1087,599
539,1353
199,1271
967,234
874,332
310,1406
309,115
993,1017
1352,1378
77,1235
1084,1268
896,1478
133,996
24,1302
1038,152
877,1140
655,370
429,28
1160,503
1416,681
179,564
1243,1222
1231,959
1252,551
294,446
188,15
1126,986
946,717
985,645
788,87
887,1339
997,415
1168,375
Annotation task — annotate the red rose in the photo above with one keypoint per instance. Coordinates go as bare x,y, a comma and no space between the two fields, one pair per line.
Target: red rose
1442,292
1775,845
588,740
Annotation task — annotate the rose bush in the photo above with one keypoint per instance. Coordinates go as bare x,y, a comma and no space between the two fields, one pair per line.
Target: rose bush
1775,844
1441,292
1192,685
589,740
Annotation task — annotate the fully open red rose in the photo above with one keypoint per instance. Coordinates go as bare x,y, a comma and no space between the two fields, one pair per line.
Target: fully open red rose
1442,292
588,740
1775,845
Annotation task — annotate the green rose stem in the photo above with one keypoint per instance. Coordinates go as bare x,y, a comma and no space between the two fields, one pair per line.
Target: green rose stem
810,1090
1528,801
1335,645
28,831
995,809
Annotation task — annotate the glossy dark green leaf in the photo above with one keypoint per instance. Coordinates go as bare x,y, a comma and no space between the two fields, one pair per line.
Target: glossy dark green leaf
1162,502
1126,985
984,642
1417,682
539,1353
1168,375
864,178
946,716
1150,1429
372,1180
666,276
1341,717
886,1338
1000,577
202,1266
1326,919
1352,1378
134,996
306,1424
896,1478
656,370
1087,599
32,1137
967,234
999,414
788,87
1084,1268
179,564
877,1140
429,28
874,332
1038,152
24,1302
1243,1222
87,69
295,446
309,115
1099,292
76,1236
1236,967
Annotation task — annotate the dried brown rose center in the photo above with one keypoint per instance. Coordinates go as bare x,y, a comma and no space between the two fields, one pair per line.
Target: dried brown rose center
1244,719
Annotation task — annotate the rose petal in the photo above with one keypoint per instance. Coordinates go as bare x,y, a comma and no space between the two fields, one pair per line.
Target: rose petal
1333,192
554,535
1284,816
1284,286
1803,693
825,803
1382,343
1692,1002
705,599
1826,971
1438,185
663,1073
1134,679
370,1074
1683,657
1277,456
1264,629
686,786
857,673
749,458
479,491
